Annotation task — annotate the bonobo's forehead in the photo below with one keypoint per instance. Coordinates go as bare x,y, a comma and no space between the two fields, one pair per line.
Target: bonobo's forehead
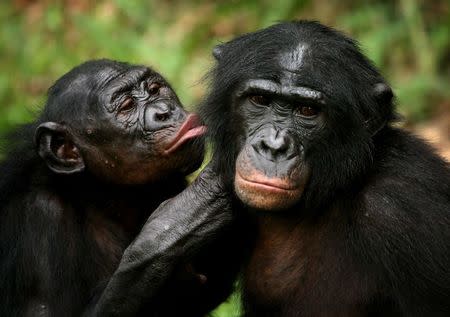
123,81
126,77
95,75
296,54
293,59
91,85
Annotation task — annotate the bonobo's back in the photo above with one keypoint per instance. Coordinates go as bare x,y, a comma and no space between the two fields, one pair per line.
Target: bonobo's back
19,160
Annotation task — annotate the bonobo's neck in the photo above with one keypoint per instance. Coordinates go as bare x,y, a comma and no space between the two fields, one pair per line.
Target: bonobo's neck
275,219
121,203
293,214
90,188
281,225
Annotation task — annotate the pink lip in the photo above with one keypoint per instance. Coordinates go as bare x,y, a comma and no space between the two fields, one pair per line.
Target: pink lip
191,128
270,184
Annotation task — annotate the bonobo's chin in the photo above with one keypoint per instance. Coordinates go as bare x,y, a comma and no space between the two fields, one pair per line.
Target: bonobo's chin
266,194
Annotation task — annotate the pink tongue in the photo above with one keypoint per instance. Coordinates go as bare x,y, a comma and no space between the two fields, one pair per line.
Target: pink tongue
195,132
190,128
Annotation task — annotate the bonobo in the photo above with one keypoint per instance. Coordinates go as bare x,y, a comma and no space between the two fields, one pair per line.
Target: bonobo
352,214
77,187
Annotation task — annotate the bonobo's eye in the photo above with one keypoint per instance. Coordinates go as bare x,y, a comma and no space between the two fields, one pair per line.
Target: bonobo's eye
153,88
260,100
126,105
308,111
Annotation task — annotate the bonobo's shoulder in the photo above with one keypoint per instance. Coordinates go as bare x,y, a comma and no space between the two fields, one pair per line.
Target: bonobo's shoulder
405,160
17,161
403,216
396,143
409,181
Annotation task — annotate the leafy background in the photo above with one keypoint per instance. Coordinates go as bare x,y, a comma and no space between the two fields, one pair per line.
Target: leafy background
41,40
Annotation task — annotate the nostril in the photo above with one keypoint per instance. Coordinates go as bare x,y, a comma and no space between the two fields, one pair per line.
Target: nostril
264,146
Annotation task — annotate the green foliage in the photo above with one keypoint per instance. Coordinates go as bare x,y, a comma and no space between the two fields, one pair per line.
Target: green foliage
41,41
409,49
230,308
409,40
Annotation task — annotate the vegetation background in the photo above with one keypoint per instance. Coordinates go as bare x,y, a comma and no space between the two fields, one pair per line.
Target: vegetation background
41,40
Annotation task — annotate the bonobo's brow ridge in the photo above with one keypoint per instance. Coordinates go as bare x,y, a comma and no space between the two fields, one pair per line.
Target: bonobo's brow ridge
271,87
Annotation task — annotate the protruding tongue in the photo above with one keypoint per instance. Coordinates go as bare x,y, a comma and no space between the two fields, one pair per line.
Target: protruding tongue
191,128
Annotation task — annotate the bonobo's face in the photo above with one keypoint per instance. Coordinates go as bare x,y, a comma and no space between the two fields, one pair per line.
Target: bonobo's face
271,171
143,133
293,112
121,122
278,118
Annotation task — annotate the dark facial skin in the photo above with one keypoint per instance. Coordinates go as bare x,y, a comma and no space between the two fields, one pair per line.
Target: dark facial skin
271,171
132,131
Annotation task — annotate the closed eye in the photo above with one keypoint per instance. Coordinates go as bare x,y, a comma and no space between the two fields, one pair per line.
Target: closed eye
126,105
154,88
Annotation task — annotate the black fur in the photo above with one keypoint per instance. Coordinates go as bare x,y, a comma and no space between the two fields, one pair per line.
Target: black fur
62,235
389,190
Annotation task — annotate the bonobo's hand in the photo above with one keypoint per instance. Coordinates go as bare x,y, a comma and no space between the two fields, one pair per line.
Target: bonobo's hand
177,229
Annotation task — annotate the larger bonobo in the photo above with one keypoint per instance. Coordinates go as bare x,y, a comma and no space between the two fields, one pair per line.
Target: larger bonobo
352,215
77,187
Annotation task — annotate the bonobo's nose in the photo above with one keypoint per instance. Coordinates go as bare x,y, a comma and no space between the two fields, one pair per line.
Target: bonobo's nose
275,145
161,115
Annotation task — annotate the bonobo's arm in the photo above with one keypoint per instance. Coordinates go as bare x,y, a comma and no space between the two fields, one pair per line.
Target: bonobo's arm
174,231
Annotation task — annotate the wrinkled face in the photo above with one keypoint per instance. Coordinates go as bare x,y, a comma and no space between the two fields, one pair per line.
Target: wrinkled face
141,131
278,120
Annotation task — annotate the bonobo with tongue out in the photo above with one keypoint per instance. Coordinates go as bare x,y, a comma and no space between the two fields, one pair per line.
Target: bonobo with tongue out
80,228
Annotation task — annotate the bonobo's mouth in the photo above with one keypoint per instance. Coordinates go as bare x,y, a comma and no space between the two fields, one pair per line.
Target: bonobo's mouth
274,185
257,190
190,129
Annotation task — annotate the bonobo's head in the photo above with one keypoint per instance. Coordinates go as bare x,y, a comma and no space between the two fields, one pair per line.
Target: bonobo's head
293,110
122,123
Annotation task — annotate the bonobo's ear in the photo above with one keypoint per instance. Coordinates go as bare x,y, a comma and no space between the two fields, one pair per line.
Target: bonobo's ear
217,52
56,147
383,93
